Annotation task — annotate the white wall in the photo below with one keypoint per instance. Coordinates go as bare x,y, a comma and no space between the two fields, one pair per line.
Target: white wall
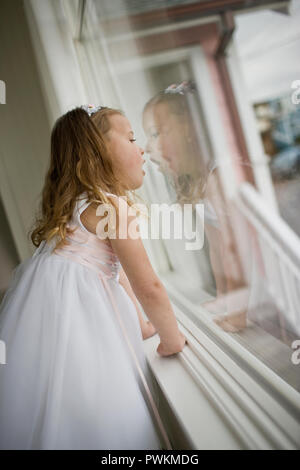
43,80
24,129
55,52
8,254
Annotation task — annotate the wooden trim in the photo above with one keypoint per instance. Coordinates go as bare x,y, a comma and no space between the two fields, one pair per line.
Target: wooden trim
235,119
179,13
163,41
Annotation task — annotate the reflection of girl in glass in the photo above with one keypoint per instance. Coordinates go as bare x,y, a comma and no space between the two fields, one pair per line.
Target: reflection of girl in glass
173,125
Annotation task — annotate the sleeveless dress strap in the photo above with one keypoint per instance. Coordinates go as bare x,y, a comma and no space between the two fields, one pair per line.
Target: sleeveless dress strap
82,204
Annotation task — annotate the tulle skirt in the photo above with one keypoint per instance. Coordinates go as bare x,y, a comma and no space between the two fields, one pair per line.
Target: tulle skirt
69,381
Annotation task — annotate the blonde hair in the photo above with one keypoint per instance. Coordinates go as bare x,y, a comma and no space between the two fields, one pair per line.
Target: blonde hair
190,184
79,162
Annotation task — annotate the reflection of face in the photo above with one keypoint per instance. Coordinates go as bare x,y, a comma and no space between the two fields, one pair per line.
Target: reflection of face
125,153
165,140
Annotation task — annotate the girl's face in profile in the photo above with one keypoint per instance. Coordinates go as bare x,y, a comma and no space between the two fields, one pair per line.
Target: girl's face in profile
165,139
127,156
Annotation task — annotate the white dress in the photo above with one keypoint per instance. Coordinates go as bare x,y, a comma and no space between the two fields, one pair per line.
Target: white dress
70,381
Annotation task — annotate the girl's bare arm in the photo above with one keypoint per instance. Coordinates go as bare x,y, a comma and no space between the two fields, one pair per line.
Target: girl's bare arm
144,282
145,327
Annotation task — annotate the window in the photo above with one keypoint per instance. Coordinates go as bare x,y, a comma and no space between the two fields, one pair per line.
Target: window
127,56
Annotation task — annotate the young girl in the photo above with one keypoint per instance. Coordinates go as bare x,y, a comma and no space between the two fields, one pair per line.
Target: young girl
75,369
172,123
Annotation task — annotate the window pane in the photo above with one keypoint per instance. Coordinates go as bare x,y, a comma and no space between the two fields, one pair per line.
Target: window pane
158,63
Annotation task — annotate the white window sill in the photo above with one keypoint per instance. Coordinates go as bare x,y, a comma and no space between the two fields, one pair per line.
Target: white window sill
215,402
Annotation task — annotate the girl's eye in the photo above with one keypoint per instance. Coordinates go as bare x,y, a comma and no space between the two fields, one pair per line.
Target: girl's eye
132,140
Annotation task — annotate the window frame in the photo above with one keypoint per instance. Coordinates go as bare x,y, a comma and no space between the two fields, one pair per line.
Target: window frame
246,403
265,401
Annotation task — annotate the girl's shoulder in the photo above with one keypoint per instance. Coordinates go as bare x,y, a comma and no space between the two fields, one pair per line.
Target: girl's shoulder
82,202
87,215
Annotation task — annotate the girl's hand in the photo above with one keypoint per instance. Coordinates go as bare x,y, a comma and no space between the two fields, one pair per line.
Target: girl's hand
165,350
148,330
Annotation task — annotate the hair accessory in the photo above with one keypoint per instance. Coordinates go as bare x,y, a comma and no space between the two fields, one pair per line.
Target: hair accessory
91,108
182,88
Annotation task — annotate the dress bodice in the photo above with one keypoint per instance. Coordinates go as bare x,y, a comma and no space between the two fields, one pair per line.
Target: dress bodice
85,247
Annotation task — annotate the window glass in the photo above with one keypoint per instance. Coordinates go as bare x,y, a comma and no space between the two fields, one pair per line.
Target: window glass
157,61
